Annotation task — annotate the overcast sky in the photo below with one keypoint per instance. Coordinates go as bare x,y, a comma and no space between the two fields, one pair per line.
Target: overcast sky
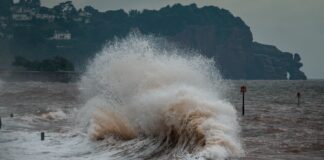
295,26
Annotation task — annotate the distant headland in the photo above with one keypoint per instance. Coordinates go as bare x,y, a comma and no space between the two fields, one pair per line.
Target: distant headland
34,32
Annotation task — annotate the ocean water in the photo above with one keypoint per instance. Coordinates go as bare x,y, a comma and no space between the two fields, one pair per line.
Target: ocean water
273,127
141,100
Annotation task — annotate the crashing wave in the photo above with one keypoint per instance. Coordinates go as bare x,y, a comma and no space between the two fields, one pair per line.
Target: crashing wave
136,88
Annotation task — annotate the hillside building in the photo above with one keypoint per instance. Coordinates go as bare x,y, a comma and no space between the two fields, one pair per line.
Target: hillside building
59,35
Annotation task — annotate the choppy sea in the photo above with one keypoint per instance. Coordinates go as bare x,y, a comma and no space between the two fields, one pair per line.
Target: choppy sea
273,127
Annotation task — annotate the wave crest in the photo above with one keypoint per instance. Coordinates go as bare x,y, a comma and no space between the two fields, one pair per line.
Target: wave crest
137,88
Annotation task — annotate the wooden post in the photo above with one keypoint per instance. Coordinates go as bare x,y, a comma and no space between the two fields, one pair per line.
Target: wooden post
298,97
42,136
243,90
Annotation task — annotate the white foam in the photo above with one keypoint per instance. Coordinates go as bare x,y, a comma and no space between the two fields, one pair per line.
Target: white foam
141,81
54,115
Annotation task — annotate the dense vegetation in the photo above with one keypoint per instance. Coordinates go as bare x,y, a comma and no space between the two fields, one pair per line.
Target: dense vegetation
215,32
32,39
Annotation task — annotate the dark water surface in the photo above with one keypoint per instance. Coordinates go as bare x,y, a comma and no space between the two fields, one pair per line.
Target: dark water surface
274,126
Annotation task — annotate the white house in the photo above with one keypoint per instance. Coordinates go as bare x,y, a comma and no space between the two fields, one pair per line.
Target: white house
22,10
78,19
21,17
45,16
87,20
58,35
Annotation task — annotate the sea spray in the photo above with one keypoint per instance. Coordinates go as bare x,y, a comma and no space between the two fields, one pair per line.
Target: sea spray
136,89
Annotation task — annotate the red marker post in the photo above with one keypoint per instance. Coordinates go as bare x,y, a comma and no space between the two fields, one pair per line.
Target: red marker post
243,90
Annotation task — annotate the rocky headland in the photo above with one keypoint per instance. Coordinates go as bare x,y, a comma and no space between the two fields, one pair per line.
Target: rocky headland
30,30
